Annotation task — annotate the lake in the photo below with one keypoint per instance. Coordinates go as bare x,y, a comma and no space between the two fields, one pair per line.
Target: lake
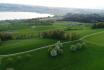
22,15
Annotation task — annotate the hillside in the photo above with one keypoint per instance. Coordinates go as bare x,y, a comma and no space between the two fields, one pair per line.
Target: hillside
42,9
83,17
25,8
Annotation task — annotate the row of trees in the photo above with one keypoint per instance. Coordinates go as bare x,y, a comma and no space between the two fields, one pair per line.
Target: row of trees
4,36
30,22
59,35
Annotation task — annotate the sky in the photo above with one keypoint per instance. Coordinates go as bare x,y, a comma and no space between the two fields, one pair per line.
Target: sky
91,4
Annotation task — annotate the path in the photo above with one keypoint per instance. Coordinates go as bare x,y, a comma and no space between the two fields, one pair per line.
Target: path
49,45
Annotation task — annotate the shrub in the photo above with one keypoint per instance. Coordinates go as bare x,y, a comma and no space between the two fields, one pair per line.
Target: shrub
73,48
77,46
56,49
60,51
59,44
53,52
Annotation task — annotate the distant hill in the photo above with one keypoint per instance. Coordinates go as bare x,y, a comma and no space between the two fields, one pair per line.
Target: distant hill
43,9
83,17
26,8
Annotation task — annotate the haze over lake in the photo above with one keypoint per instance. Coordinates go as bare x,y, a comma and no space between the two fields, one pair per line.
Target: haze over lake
22,15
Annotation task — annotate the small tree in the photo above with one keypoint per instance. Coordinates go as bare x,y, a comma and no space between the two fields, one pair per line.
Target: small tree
73,48
53,52
57,49
77,46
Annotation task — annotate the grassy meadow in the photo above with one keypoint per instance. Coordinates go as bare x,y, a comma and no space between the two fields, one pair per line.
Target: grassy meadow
26,37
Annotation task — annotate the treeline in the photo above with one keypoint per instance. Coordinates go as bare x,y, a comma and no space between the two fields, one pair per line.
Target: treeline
84,17
21,24
98,25
59,35
4,36
37,21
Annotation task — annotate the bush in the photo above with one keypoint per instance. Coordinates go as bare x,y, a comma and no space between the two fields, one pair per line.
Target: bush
77,46
73,48
59,35
59,44
53,52
56,49
60,51
98,25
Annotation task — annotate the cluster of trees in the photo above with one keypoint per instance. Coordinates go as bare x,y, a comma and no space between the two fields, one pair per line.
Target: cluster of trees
5,36
81,17
23,35
59,35
57,49
98,25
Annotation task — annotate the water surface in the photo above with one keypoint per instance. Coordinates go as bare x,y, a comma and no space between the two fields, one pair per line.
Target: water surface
22,15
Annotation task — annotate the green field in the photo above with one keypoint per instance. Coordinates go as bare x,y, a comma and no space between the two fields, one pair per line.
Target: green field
90,58
15,46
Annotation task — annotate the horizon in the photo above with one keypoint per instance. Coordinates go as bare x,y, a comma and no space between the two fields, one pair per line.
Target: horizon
93,4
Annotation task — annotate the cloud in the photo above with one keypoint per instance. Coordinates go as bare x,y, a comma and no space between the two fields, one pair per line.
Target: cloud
60,3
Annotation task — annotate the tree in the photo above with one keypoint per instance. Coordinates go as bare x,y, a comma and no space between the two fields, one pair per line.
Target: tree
57,49
77,46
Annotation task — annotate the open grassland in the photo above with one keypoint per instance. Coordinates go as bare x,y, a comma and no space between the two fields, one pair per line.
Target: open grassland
14,46
97,39
87,59
90,58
